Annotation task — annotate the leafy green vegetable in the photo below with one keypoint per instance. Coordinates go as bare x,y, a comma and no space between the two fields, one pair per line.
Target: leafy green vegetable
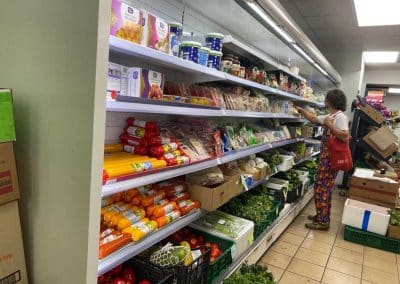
394,217
251,274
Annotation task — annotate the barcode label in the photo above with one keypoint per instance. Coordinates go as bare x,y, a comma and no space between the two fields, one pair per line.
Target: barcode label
12,278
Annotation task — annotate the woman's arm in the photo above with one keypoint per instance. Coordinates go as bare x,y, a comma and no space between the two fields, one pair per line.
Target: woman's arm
338,133
308,115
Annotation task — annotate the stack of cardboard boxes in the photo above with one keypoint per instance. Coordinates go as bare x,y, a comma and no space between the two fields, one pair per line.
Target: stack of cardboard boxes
12,259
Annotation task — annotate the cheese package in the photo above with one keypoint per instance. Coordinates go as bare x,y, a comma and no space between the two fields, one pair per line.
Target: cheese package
144,83
117,81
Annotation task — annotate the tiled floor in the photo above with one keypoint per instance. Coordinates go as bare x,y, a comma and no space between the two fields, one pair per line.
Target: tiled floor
305,256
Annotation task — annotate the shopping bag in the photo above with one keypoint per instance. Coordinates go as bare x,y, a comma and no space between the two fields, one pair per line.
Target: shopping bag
340,154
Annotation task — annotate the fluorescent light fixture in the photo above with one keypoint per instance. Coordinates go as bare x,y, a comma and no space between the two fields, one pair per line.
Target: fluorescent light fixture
320,69
377,13
270,22
303,53
380,56
394,90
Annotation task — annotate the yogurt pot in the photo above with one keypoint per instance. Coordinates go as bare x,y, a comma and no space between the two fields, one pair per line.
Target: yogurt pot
189,50
214,41
214,59
175,37
203,56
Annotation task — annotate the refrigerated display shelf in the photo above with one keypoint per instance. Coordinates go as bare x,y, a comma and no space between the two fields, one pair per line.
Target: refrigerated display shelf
114,187
132,249
265,240
154,108
209,74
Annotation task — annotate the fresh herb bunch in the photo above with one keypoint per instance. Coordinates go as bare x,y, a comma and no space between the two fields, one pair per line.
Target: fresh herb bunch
272,158
291,175
394,217
251,274
250,205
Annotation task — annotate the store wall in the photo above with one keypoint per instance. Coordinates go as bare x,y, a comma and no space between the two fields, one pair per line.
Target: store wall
49,56
384,75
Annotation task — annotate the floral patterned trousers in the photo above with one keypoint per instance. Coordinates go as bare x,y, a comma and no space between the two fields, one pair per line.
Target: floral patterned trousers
324,182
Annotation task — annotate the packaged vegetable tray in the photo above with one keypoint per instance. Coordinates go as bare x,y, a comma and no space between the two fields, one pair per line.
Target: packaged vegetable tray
228,227
270,217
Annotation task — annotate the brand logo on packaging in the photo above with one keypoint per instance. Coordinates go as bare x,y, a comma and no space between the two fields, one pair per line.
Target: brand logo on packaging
135,75
130,10
5,182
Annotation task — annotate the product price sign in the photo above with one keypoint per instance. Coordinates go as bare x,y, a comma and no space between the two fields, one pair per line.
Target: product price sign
7,128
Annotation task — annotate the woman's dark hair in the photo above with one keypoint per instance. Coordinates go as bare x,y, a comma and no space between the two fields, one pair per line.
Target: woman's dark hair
336,99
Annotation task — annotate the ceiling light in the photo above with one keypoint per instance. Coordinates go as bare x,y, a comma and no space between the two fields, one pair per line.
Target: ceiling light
394,90
270,22
380,56
320,69
377,13
303,53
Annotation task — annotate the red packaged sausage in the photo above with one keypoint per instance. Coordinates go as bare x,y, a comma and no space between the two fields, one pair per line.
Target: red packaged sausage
140,132
150,125
158,151
160,140
126,139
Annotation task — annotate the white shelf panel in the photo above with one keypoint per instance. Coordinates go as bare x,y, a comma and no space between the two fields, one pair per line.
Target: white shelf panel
161,109
265,240
109,189
256,149
162,59
132,249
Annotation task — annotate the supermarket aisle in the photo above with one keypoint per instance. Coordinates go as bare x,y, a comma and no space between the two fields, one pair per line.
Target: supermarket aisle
304,256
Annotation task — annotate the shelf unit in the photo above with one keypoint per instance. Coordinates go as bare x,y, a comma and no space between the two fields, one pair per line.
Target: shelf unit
124,47
266,239
114,187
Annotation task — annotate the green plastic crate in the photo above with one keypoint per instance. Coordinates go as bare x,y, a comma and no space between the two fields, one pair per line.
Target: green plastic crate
355,235
224,260
270,217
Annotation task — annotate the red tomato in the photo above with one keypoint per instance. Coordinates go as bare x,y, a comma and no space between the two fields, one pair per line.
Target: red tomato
218,252
119,281
144,281
193,243
200,240
185,233
101,279
176,238
214,253
129,274
129,282
116,270
214,245
207,244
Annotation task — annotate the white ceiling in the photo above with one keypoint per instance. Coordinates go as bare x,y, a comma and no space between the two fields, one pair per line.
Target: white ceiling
332,26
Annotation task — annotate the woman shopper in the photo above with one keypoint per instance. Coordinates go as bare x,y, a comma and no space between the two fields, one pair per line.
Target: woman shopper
335,124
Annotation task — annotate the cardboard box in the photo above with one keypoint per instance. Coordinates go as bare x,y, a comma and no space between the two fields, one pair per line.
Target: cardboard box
12,258
364,184
7,128
126,21
8,174
144,83
394,232
384,153
155,32
374,114
391,175
213,198
374,201
117,81
365,216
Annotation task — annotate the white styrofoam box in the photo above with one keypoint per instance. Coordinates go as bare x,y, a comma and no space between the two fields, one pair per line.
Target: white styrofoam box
243,232
365,216
303,175
305,185
287,164
276,183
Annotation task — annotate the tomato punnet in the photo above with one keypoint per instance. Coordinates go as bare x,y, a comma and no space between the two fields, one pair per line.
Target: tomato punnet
129,274
193,243
200,240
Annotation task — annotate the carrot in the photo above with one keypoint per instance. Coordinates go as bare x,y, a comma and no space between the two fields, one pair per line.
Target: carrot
186,206
180,197
150,209
171,216
164,209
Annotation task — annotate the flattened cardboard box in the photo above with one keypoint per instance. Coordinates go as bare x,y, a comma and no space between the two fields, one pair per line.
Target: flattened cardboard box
375,189
8,174
12,258
374,114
